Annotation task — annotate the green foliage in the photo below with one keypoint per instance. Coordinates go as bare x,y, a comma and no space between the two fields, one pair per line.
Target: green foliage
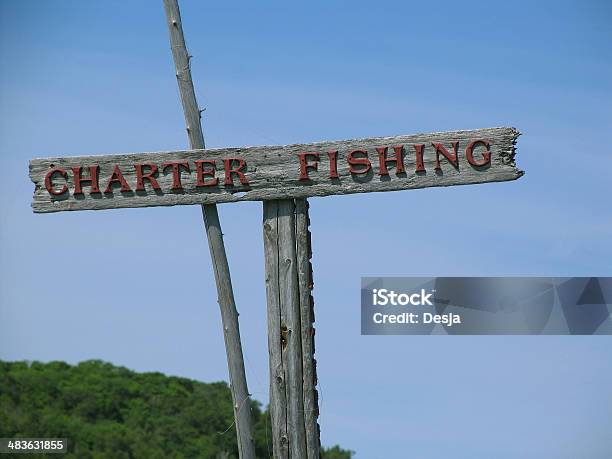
336,453
111,412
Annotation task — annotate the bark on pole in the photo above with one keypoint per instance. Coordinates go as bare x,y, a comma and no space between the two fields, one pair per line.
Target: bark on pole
229,314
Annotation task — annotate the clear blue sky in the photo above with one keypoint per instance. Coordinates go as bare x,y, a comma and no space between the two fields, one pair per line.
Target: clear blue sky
134,287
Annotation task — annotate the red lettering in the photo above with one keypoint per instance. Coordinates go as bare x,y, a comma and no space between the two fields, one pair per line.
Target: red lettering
201,172
420,166
486,155
117,177
141,176
49,181
176,172
382,159
236,170
305,167
93,179
451,157
358,162
333,163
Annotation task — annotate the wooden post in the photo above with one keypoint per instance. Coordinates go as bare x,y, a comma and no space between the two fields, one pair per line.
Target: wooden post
309,364
229,315
290,339
278,398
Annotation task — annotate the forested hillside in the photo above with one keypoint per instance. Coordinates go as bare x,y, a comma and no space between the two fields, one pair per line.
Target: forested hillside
111,412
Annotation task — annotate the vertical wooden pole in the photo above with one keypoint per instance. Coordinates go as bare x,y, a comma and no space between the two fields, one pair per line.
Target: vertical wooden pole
276,332
229,315
293,405
309,364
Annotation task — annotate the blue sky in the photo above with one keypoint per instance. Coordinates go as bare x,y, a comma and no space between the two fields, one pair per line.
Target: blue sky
135,287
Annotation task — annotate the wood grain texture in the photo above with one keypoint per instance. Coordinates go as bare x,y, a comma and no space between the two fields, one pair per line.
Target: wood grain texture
278,399
305,284
293,397
229,314
273,172
292,347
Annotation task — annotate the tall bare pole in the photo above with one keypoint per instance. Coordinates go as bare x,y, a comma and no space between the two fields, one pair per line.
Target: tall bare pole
229,315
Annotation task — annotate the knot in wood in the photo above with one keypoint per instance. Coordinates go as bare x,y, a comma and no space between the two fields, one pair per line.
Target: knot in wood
284,335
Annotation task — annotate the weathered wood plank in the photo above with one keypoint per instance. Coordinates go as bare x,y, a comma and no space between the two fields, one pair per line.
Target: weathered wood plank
291,326
273,172
278,398
284,329
305,283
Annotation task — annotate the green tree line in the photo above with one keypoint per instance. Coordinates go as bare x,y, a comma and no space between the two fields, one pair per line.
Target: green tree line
107,411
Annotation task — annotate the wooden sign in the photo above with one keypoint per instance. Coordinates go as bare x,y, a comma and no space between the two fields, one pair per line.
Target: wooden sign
282,177
274,172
